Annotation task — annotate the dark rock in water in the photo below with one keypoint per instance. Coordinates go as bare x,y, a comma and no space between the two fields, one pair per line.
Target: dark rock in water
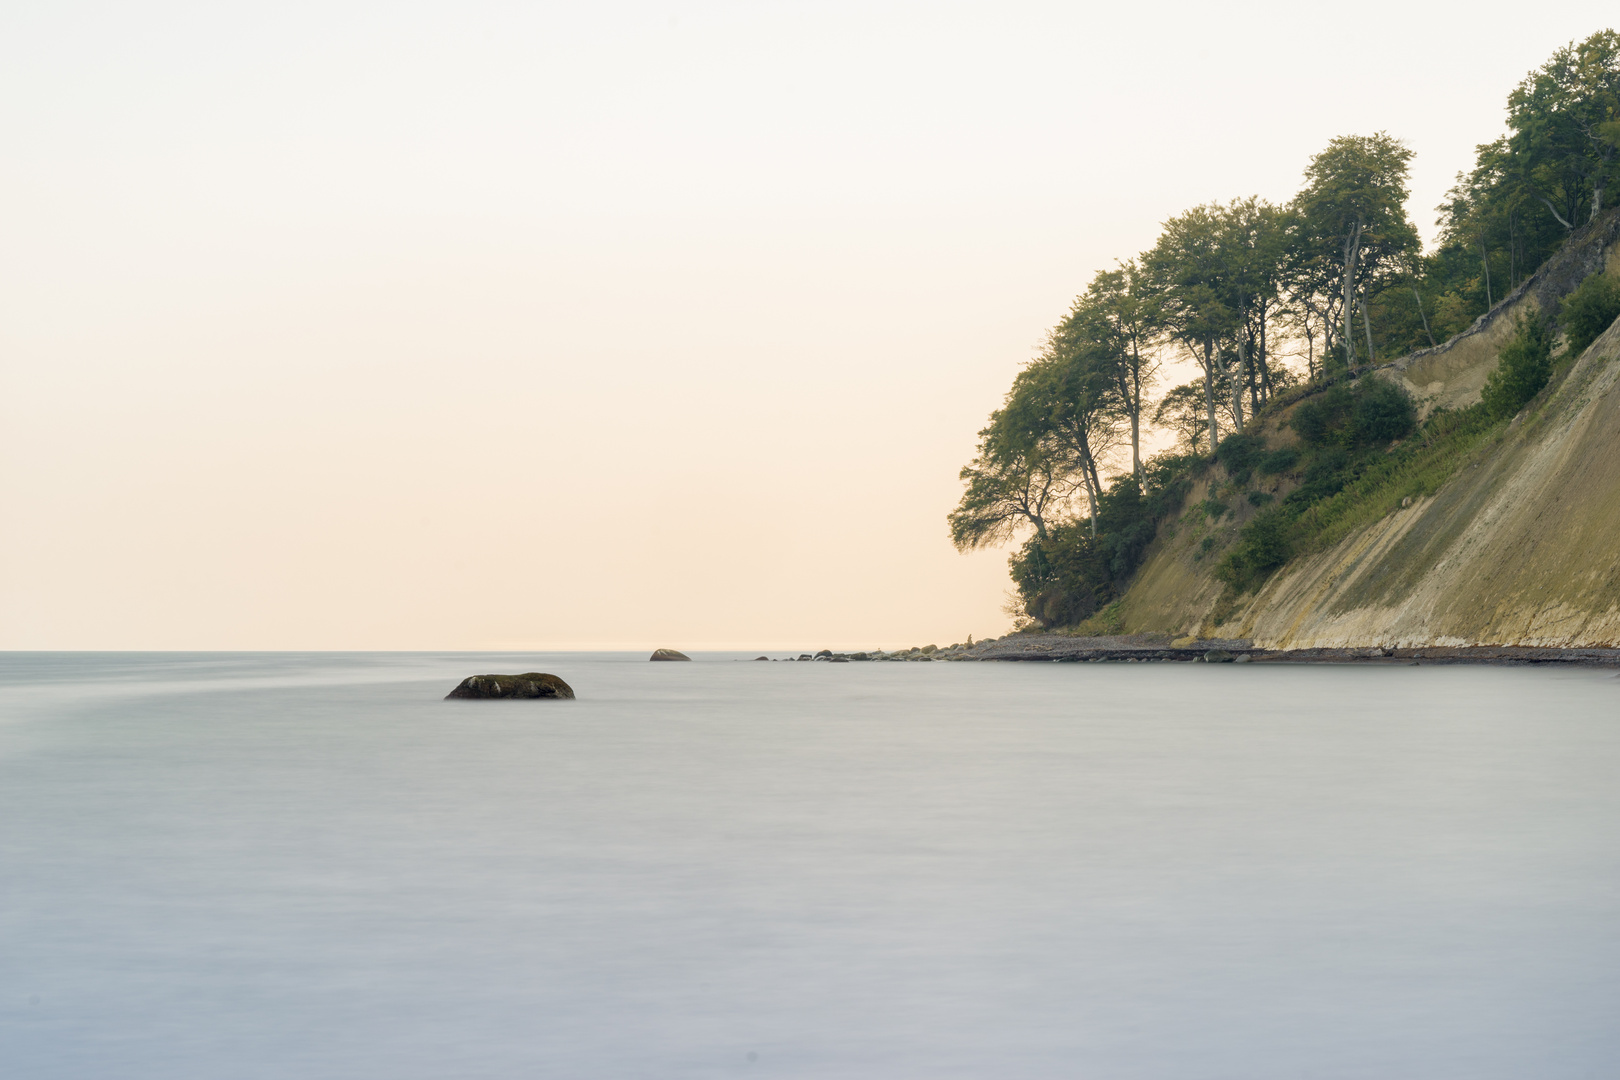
823,652
839,660
531,684
1218,656
757,658
668,654
860,656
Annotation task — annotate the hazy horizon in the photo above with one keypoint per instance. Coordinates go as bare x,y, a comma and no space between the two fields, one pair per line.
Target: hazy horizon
485,327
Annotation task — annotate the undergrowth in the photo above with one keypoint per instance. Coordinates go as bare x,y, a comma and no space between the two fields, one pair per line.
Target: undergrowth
1362,458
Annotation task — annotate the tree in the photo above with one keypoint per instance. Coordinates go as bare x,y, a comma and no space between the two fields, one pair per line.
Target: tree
1565,122
1189,275
1524,366
1015,480
1116,320
1353,206
1071,388
1588,311
1254,236
1182,411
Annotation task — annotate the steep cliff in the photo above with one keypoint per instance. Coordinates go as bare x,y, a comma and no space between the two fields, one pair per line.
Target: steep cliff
1520,546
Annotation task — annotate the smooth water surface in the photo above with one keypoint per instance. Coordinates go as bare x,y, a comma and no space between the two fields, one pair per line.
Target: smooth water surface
217,866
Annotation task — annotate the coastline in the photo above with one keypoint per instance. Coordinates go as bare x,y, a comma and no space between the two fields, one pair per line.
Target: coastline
1160,648
1150,647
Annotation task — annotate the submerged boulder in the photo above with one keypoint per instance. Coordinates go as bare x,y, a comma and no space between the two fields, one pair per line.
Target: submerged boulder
668,654
531,684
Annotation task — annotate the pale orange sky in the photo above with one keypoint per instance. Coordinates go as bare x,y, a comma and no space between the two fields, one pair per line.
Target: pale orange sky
489,326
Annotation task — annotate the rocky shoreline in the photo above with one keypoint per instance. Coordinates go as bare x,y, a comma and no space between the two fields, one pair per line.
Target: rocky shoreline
1148,648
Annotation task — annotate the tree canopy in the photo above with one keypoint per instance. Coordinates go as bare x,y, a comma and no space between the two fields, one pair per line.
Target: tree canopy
1259,297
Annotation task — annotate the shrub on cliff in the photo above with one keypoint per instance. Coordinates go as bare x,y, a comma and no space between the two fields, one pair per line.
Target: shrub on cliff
1070,574
1590,310
1382,412
1262,546
1524,366
1371,413
1240,453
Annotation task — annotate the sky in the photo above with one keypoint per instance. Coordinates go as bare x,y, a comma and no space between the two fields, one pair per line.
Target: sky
611,325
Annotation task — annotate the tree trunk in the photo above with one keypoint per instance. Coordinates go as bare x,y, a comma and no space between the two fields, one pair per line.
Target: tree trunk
1136,413
1485,261
1412,281
1237,386
1555,213
1263,359
1136,444
1209,398
1352,248
1597,183
1091,498
1366,324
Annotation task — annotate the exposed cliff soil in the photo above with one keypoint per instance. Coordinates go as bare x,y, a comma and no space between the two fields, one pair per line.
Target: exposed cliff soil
1520,547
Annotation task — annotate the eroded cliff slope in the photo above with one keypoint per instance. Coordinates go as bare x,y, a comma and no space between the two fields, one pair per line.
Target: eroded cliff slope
1521,546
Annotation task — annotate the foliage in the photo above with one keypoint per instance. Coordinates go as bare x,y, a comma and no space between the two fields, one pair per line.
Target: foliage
1263,545
1589,310
1522,369
1345,486
1530,189
1353,232
1331,281
1014,482
1278,461
1240,453
1068,576
1182,411
1371,412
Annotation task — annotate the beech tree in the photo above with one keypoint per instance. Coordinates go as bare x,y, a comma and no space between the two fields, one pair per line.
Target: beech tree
1116,321
1017,479
1353,207
1189,276
1565,119
1071,386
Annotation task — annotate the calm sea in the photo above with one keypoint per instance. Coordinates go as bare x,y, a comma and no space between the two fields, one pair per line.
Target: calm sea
280,865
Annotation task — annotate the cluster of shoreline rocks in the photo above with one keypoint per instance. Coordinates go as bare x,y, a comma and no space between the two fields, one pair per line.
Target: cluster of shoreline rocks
926,653
1147,648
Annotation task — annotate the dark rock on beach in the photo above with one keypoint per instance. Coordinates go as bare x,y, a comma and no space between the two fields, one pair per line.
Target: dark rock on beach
668,654
531,684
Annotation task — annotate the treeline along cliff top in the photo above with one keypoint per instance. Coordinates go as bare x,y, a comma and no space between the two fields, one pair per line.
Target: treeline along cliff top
1383,446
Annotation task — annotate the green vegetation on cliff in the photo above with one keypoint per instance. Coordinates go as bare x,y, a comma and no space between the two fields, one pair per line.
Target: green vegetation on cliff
1285,310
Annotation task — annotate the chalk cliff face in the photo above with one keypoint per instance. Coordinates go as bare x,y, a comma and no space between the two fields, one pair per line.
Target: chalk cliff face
1520,547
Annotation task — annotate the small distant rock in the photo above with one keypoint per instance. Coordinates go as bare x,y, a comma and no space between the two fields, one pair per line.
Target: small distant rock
824,654
758,658
531,684
668,654
1218,656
